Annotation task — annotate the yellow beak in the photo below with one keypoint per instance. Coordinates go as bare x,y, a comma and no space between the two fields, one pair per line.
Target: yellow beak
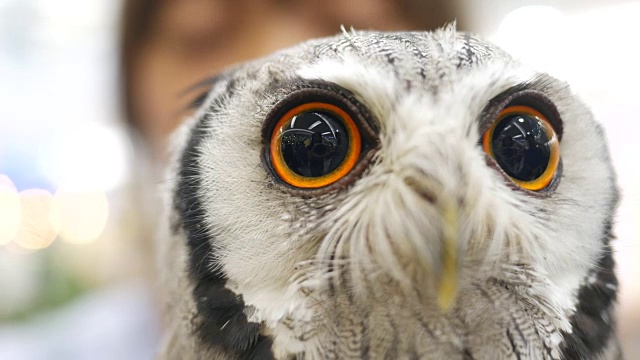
448,281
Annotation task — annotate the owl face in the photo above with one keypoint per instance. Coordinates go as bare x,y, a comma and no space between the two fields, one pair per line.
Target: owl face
373,171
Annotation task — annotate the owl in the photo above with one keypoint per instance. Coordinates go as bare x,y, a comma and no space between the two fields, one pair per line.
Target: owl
375,195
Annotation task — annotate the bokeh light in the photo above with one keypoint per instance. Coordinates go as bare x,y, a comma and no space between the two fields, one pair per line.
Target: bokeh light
87,157
82,215
10,210
37,231
542,47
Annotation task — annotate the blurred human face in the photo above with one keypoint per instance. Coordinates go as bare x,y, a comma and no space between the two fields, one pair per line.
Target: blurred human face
193,39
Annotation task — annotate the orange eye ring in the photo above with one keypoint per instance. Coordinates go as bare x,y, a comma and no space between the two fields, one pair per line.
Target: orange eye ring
293,178
543,180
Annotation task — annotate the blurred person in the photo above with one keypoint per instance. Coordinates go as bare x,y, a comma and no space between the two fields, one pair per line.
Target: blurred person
169,47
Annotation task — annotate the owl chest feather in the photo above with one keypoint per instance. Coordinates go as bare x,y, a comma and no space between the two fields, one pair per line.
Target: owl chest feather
490,321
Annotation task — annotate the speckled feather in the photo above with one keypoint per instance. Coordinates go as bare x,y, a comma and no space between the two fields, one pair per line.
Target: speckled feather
254,269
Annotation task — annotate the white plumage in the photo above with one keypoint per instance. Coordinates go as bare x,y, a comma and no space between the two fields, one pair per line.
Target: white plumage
426,248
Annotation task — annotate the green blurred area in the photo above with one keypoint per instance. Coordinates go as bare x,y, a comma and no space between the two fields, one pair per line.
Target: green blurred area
55,284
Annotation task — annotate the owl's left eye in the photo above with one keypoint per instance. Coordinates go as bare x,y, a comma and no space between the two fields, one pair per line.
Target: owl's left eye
525,146
314,145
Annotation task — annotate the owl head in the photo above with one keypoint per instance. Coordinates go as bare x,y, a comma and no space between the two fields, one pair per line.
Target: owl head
389,193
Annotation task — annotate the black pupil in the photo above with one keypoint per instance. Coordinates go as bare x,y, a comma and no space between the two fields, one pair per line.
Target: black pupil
314,143
521,146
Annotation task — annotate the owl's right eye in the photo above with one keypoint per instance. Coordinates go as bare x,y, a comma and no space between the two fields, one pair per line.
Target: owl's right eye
314,145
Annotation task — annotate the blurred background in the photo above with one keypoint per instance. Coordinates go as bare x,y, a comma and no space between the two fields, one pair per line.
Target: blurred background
89,91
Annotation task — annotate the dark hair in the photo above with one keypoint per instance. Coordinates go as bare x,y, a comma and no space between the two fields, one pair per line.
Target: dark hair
139,17
429,14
